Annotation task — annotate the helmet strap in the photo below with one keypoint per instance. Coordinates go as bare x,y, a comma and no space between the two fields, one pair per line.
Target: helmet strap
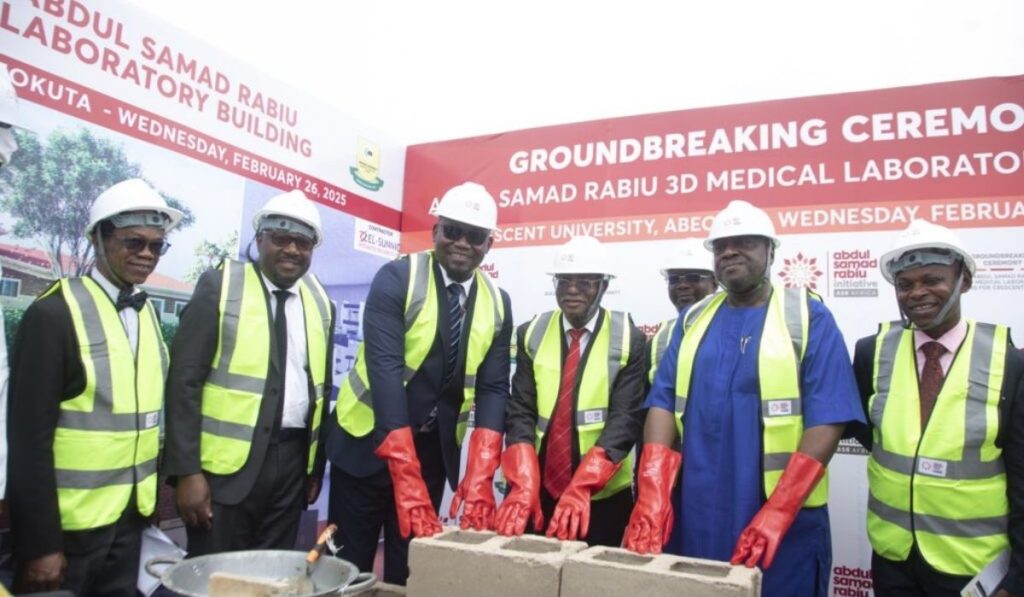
954,297
101,258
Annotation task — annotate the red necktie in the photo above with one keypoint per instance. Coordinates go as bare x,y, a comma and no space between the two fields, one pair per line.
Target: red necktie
931,378
558,462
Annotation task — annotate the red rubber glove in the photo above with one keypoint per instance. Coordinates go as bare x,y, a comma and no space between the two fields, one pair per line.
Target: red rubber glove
522,471
571,518
475,489
765,532
416,513
650,524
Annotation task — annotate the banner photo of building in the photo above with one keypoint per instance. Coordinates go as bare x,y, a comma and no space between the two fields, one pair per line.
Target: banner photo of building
839,174
110,92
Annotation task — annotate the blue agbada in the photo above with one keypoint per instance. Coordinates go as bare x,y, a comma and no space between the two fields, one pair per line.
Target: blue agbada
722,486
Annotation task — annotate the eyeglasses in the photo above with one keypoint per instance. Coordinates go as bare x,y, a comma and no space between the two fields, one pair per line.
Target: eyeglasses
282,239
584,285
135,244
689,278
475,236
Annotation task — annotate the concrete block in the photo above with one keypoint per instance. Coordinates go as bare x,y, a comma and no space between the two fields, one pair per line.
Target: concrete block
460,563
614,571
383,589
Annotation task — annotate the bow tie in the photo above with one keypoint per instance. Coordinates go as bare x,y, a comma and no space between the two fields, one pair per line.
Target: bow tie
135,301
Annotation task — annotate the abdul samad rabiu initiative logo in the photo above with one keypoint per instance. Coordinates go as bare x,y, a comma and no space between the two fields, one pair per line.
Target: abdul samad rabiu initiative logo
800,272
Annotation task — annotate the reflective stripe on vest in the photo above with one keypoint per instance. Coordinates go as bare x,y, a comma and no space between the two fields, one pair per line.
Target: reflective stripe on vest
422,320
234,388
658,345
945,488
107,438
783,343
607,353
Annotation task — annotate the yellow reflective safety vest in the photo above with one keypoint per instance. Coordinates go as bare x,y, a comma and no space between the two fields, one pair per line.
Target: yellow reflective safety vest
107,439
659,342
783,344
944,488
422,319
608,353
234,388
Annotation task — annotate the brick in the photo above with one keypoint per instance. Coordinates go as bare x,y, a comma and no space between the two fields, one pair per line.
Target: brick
460,563
613,571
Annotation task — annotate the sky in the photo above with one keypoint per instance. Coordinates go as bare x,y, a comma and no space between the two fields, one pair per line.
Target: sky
431,70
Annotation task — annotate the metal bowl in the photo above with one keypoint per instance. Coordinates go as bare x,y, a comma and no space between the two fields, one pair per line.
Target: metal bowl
331,576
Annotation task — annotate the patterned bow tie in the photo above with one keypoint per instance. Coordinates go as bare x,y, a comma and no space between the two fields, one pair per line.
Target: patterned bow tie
135,301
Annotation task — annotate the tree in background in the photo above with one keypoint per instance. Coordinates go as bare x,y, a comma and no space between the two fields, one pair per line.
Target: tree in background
209,255
49,188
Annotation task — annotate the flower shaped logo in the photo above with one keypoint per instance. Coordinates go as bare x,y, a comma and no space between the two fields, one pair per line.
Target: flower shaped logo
801,271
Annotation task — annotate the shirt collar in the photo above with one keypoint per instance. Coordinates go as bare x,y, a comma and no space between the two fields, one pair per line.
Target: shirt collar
109,287
271,287
589,326
466,286
951,340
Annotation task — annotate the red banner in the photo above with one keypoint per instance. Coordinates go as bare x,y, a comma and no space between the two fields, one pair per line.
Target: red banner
949,152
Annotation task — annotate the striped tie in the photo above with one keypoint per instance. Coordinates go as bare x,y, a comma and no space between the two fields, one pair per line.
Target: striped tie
455,315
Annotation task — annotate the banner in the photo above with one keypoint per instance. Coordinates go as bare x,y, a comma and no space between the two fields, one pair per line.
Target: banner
839,175
110,92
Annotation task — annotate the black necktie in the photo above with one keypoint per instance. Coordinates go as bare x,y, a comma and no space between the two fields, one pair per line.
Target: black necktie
126,299
455,313
281,338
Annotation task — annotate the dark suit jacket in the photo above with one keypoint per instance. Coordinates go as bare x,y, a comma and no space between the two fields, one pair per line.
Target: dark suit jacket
191,361
1010,439
395,406
45,370
625,420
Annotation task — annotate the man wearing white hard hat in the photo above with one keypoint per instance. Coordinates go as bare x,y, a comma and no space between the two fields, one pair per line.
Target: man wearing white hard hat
250,367
944,396
10,118
87,379
690,277
435,352
574,413
759,378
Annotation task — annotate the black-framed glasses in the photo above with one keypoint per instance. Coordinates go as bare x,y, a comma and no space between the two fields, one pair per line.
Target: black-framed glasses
584,285
135,244
689,278
475,236
282,239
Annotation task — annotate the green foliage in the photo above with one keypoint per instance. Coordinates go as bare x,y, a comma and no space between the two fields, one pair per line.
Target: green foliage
168,329
209,254
12,318
49,188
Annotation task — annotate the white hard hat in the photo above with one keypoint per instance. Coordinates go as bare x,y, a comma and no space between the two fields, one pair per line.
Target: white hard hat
689,254
469,203
295,205
582,255
740,218
922,234
130,195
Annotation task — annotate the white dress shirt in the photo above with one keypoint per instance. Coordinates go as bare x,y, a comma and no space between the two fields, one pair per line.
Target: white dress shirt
588,331
129,317
296,382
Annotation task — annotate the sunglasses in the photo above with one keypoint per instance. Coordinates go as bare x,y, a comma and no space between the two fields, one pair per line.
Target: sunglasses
689,278
135,244
475,236
584,285
281,240
741,243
